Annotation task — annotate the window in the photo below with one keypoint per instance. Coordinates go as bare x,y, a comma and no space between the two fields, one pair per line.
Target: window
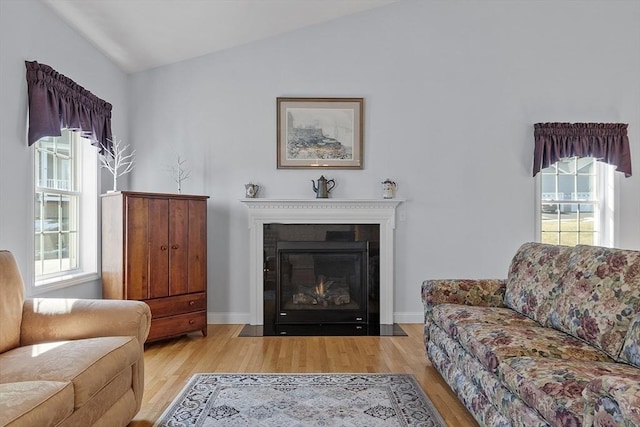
65,211
576,202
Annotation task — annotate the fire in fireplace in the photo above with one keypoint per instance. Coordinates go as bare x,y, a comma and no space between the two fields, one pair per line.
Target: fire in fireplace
322,282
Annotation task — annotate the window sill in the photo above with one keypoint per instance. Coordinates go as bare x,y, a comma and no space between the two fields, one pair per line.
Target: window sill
47,285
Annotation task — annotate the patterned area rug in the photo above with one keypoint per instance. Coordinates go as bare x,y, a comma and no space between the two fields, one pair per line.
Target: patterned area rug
297,400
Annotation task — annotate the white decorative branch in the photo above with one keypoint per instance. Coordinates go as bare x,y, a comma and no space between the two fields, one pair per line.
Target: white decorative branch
179,174
116,161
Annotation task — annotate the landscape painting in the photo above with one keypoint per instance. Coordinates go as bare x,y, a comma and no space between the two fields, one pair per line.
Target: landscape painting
320,133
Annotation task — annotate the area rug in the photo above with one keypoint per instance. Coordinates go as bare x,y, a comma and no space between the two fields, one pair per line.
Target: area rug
297,400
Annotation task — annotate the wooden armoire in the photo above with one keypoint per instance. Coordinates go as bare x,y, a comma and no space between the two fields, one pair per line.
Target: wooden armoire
154,249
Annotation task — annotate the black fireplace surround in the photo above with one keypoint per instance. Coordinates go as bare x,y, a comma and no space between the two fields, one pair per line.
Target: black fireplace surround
321,279
321,283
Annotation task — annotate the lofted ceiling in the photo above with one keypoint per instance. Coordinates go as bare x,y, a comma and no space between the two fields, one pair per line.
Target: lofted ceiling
142,34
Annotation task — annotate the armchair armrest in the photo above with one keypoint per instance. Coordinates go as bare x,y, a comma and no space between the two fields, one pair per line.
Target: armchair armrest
54,319
613,400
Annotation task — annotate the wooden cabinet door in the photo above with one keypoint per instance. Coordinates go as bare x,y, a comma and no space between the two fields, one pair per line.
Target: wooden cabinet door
178,246
136,248
159,248
197,245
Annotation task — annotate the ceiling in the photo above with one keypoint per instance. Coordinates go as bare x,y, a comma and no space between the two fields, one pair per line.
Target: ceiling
142,34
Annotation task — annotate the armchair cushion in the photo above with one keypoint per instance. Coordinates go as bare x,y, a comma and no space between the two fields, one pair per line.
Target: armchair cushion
35,403
95,362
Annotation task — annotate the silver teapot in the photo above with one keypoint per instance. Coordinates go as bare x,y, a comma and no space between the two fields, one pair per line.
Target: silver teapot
323,188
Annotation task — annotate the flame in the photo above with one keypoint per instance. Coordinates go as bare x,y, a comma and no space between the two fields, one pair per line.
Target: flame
320,288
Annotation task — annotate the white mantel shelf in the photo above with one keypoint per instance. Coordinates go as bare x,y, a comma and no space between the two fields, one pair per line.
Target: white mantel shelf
322,211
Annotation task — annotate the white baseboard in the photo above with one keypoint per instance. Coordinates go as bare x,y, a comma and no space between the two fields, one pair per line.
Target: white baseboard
408,317
228,318
244,318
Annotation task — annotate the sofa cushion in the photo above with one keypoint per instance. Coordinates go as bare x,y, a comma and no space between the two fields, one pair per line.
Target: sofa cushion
554,387
612,401
534,277
96,361
492,344
35,403
450,316
600,296
11,300
630,352
488,383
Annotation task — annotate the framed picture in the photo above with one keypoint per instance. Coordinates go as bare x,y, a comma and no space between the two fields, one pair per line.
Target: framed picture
322,133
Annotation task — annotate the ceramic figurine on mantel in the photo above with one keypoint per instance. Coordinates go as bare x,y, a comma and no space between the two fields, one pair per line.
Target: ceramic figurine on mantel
116,161
251,190
323,188
388,189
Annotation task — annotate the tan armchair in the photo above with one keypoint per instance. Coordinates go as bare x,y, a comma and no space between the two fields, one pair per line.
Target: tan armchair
68,362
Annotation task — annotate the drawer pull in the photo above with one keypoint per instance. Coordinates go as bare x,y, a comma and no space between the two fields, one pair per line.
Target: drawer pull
163,247
192,321
192,302
174,246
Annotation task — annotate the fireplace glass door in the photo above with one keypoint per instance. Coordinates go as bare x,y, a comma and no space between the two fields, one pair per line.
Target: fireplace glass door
322,282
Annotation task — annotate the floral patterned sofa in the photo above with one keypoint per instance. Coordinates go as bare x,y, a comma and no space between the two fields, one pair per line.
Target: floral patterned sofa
556,343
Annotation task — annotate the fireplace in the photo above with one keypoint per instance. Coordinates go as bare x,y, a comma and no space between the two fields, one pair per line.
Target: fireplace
265,215
321,279
322,283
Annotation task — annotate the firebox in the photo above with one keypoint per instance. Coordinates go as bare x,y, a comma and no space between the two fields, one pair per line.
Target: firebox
322,282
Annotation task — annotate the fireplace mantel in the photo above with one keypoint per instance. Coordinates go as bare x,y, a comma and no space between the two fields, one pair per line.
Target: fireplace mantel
322,211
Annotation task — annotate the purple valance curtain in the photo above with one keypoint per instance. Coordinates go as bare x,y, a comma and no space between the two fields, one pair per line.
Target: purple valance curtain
607,142
57,102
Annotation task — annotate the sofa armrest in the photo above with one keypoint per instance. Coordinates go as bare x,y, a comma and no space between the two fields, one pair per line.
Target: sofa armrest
613,400
56,319
484,292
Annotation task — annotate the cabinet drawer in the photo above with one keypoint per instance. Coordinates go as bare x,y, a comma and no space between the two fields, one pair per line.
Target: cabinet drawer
169,306
166,327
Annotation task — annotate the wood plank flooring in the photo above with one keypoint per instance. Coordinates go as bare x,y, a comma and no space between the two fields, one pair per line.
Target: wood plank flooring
168,364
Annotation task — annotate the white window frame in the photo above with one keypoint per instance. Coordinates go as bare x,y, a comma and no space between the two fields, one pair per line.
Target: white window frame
607,203
87,168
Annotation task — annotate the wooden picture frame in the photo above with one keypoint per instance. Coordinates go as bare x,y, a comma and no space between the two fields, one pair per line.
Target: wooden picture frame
320,133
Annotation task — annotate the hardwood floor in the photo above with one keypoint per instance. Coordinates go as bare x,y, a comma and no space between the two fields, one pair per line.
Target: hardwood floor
168,364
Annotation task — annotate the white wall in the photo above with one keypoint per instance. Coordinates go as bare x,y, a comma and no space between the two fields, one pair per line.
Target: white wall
452,90
30,31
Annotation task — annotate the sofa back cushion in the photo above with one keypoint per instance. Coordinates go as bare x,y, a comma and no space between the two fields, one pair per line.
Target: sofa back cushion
534,278
630,352
599,297
11,301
